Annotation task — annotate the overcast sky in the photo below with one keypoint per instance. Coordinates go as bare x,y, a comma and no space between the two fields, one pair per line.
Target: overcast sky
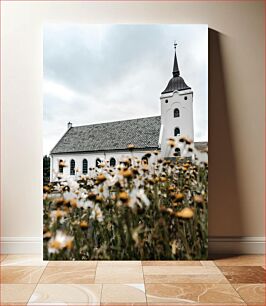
100,73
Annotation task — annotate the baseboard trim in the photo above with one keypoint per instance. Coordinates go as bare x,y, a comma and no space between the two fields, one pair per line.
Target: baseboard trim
236,245
217,245
21,245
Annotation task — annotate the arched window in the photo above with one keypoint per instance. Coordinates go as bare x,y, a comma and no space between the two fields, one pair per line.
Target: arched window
97,163
72,167
177,131
84,166
112,161
176,112
60,166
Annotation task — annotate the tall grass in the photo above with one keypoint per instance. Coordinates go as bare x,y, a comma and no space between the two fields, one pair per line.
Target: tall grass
150,209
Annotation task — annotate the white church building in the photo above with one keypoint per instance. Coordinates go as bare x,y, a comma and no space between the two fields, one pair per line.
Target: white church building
84,147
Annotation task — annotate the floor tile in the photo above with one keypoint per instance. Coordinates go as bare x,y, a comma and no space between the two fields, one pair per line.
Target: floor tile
72,263
248,274
65,294
184,270
186,279
123,263
251,293
126,304
171,263
16,293
183,274
243,260
119,274
24,260
208,263
21,275
68,275
195,304
123,293
192,293
14,304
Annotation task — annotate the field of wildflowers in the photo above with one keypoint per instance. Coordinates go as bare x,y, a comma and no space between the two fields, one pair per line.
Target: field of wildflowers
149,209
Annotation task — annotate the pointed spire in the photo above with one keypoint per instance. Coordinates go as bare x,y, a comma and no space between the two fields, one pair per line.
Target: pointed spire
176,71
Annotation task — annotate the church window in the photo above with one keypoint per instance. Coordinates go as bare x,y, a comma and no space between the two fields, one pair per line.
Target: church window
60,166
112,161
185,98
97,163
84,166
177,131
72,167
176,112
166,101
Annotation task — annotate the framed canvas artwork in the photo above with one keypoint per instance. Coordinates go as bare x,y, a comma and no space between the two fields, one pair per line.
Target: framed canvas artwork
125,161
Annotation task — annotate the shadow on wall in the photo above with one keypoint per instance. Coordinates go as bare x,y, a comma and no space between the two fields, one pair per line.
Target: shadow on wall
225,216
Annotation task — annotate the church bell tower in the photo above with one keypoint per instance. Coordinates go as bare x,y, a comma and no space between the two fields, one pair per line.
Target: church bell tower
176,109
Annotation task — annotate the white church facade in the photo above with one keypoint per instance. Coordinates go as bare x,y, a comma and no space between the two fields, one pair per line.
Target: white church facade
84,147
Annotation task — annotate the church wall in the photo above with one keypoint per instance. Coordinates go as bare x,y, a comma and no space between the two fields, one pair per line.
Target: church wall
91,158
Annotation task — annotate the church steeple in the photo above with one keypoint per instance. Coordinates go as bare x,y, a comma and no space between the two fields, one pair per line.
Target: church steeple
176,109
176,71
176,82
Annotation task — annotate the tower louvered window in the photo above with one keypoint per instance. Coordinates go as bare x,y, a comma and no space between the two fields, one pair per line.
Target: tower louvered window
176,113
177,131
178,152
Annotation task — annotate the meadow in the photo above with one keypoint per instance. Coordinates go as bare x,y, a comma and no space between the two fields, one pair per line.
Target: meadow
143,209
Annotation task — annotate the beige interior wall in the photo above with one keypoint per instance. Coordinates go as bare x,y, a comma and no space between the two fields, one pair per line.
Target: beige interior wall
236,104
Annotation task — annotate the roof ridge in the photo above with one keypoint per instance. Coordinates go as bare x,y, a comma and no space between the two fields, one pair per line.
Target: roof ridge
100,123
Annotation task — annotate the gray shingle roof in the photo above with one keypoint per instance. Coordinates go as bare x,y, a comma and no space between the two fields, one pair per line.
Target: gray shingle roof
143,133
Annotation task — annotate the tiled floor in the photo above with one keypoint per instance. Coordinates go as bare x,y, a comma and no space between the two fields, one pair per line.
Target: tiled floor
27,280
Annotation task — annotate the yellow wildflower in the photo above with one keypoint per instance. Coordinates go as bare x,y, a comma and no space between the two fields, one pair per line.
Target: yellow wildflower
179,196
198,198
126,173
130,147
185,213
171,142
55,245
123,196
101,178
99,198
83,224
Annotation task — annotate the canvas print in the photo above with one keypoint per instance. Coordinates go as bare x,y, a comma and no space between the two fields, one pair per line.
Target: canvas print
125,155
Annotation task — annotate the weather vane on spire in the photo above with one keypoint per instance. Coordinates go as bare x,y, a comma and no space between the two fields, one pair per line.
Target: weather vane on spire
175,44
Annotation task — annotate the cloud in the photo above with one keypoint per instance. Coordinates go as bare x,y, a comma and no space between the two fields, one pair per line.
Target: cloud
99,73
